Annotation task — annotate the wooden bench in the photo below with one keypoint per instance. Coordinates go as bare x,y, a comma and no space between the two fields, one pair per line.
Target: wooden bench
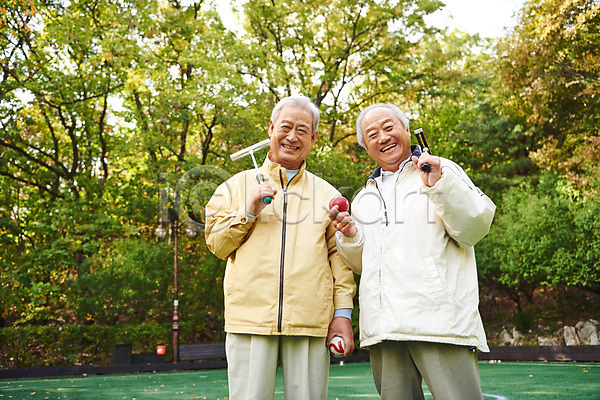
211,354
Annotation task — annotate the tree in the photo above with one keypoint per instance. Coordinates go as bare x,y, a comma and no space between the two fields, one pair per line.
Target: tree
183,91
62,65
82,196
451,96
550,79
328,50
579,266
542,237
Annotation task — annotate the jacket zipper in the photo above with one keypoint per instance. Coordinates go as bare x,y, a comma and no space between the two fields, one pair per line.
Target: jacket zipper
381,244
383,200
282,260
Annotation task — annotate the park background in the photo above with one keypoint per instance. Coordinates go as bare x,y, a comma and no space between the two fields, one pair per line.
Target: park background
118,117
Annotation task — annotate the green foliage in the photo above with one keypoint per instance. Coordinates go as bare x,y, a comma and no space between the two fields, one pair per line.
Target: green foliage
580,265
541,238
549,80
522,320
124,282
99,99
452,98
334,51
345,167
38,346
183,89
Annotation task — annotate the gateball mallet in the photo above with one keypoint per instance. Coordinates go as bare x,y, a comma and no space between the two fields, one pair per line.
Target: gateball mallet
424,147
251,150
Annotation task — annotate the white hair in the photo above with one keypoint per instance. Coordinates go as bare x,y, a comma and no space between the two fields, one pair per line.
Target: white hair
300,101
397,112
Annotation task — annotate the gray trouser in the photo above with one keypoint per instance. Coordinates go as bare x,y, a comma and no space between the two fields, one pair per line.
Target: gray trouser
252,366
451,372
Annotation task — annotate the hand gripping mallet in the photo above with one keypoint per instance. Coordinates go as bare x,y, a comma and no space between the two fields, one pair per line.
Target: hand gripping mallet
424,147
251,150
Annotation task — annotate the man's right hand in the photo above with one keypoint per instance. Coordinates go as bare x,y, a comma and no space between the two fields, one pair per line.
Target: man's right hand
343,222
255,203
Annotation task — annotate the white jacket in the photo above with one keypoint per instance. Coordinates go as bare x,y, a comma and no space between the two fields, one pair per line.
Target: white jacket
416,259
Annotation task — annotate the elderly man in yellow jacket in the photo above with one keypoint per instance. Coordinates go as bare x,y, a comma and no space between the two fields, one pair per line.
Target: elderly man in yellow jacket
287,292
411,237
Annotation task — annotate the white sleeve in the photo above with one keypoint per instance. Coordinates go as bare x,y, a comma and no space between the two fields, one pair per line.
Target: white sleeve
350,249
466,211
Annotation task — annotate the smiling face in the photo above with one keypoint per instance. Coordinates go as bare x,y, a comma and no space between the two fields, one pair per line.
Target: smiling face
386,139
291,136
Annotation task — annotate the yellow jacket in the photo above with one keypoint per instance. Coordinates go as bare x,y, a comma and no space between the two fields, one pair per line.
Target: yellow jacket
283,274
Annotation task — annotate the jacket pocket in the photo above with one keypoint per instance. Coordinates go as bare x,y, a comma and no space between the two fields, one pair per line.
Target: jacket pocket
434,281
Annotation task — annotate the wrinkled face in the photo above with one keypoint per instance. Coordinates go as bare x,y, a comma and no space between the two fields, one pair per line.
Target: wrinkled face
386,139
291,136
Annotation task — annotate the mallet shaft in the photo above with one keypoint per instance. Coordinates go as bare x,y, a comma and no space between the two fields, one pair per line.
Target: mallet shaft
424,147
250,150
259,177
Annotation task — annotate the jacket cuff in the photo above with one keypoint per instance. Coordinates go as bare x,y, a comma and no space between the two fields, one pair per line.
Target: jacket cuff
354,241
244,218
343,312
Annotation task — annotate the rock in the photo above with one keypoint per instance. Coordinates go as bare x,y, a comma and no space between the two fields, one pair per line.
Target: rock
588,332
505,338
517,338
511,339
548,341
570,336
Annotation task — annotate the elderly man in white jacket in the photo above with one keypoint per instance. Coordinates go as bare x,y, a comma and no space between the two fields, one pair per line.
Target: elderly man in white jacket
410,237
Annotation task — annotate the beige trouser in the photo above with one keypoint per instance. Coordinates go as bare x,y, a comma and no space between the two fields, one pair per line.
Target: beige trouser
252,366
451,372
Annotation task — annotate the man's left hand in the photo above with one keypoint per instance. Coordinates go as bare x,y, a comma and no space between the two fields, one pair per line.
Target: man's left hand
434,174
342,327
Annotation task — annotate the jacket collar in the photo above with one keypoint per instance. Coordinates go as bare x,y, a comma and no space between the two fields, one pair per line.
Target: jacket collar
275,171
416,151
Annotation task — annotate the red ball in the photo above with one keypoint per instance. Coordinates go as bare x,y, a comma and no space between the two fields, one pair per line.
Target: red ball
341,202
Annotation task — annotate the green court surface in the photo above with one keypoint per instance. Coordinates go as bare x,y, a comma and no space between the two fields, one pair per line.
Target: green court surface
514,380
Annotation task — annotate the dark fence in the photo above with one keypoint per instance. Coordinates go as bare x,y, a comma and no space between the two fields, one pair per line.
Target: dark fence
517,353
543,353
